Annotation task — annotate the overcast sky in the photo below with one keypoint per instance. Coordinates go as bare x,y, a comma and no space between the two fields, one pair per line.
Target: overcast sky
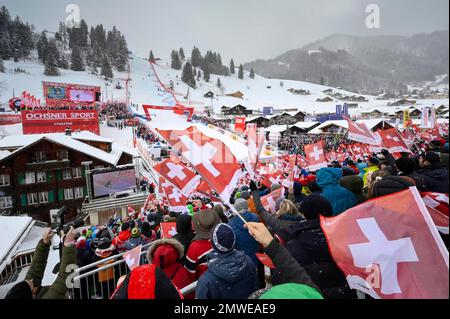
242,29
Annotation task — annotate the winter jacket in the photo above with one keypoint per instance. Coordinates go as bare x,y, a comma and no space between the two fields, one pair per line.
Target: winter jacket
121,240
244,241
355,185
100,254
134,242
340,198
185,234
229,276
278,225
366,171
166,254
433,178
309,248
197,257
58,289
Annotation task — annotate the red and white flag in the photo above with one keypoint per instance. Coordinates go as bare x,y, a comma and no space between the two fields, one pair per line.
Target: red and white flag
177,173
168,230
133,257
210,157
389,248
255,142
150,198
315,156
393,141
270,179
269,200
359,132
177,201
437,204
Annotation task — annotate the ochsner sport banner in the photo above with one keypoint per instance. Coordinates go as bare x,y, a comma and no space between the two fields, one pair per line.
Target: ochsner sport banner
56,121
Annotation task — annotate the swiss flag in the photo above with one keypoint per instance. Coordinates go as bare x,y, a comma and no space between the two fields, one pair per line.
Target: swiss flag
269,200
168,230
239,124
315,156
133,257
176,172
393,141
177,201
150,198
270,179
359,132
161,193
438,208
390,248
255,142
204,189
210,157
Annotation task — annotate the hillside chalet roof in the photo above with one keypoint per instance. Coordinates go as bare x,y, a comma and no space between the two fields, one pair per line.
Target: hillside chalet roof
344,124
23,142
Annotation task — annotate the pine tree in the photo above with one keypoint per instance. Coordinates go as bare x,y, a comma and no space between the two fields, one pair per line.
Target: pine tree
62,63
196,57
176,63
106,68
42,46
206,72
199,75
151,57
182,56
2,66
232,67
252,74
77,63
188,76
322,81
50,64
241,72
195,72
219,85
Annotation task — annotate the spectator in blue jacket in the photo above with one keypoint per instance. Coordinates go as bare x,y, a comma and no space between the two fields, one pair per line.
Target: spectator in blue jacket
244,241
231,274
341,199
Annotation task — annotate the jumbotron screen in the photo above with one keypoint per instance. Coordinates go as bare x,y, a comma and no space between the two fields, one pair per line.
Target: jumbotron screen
113,182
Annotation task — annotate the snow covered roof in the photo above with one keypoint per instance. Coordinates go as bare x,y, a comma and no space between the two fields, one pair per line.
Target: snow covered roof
276,128
305,125
4,154
13,227
25,141
339,123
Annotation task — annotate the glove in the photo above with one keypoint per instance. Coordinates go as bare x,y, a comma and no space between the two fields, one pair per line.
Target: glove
253,186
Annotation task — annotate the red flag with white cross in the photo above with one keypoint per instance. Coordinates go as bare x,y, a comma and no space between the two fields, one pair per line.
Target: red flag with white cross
168,230
315,156
133,257
255,142
177,201
393,141
359,132
177,173
389,248
210,157
269,200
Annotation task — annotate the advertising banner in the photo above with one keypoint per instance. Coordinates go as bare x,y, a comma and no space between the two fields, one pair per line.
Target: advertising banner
9,118
56,121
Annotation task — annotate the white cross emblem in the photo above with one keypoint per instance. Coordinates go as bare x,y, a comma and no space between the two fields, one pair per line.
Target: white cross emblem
394,138
386,253
176,170
252,150
274,180
173,231
130,261
271,204
316,153
200,154
175,195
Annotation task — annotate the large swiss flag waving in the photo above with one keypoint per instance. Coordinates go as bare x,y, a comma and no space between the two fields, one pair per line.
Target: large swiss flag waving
393,141
315,156
359,132
178,174
210,157
390,248
176,200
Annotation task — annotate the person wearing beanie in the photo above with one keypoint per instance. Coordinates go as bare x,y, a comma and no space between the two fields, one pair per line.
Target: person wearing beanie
31,287
355,185
341,199
148,235
405,166
231,273
135,239
105,249
287,269
431,176
167,254
245,195
197,255
185,234
244,241
388,158
372,166
120,240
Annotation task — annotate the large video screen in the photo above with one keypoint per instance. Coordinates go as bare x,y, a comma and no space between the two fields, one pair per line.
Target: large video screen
56,93
82,96
113,182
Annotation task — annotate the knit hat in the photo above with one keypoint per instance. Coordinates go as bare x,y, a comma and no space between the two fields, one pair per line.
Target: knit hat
204,222
22,290
237,195
292,291
314,205
241,205
135,233
104,243
245,195
405,165
432,157
374,160
223,238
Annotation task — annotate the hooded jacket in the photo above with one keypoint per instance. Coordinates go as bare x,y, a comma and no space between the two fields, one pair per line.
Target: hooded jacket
166,254
121,240
340,198
185,234
244,241
355,185
433,178
230,276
